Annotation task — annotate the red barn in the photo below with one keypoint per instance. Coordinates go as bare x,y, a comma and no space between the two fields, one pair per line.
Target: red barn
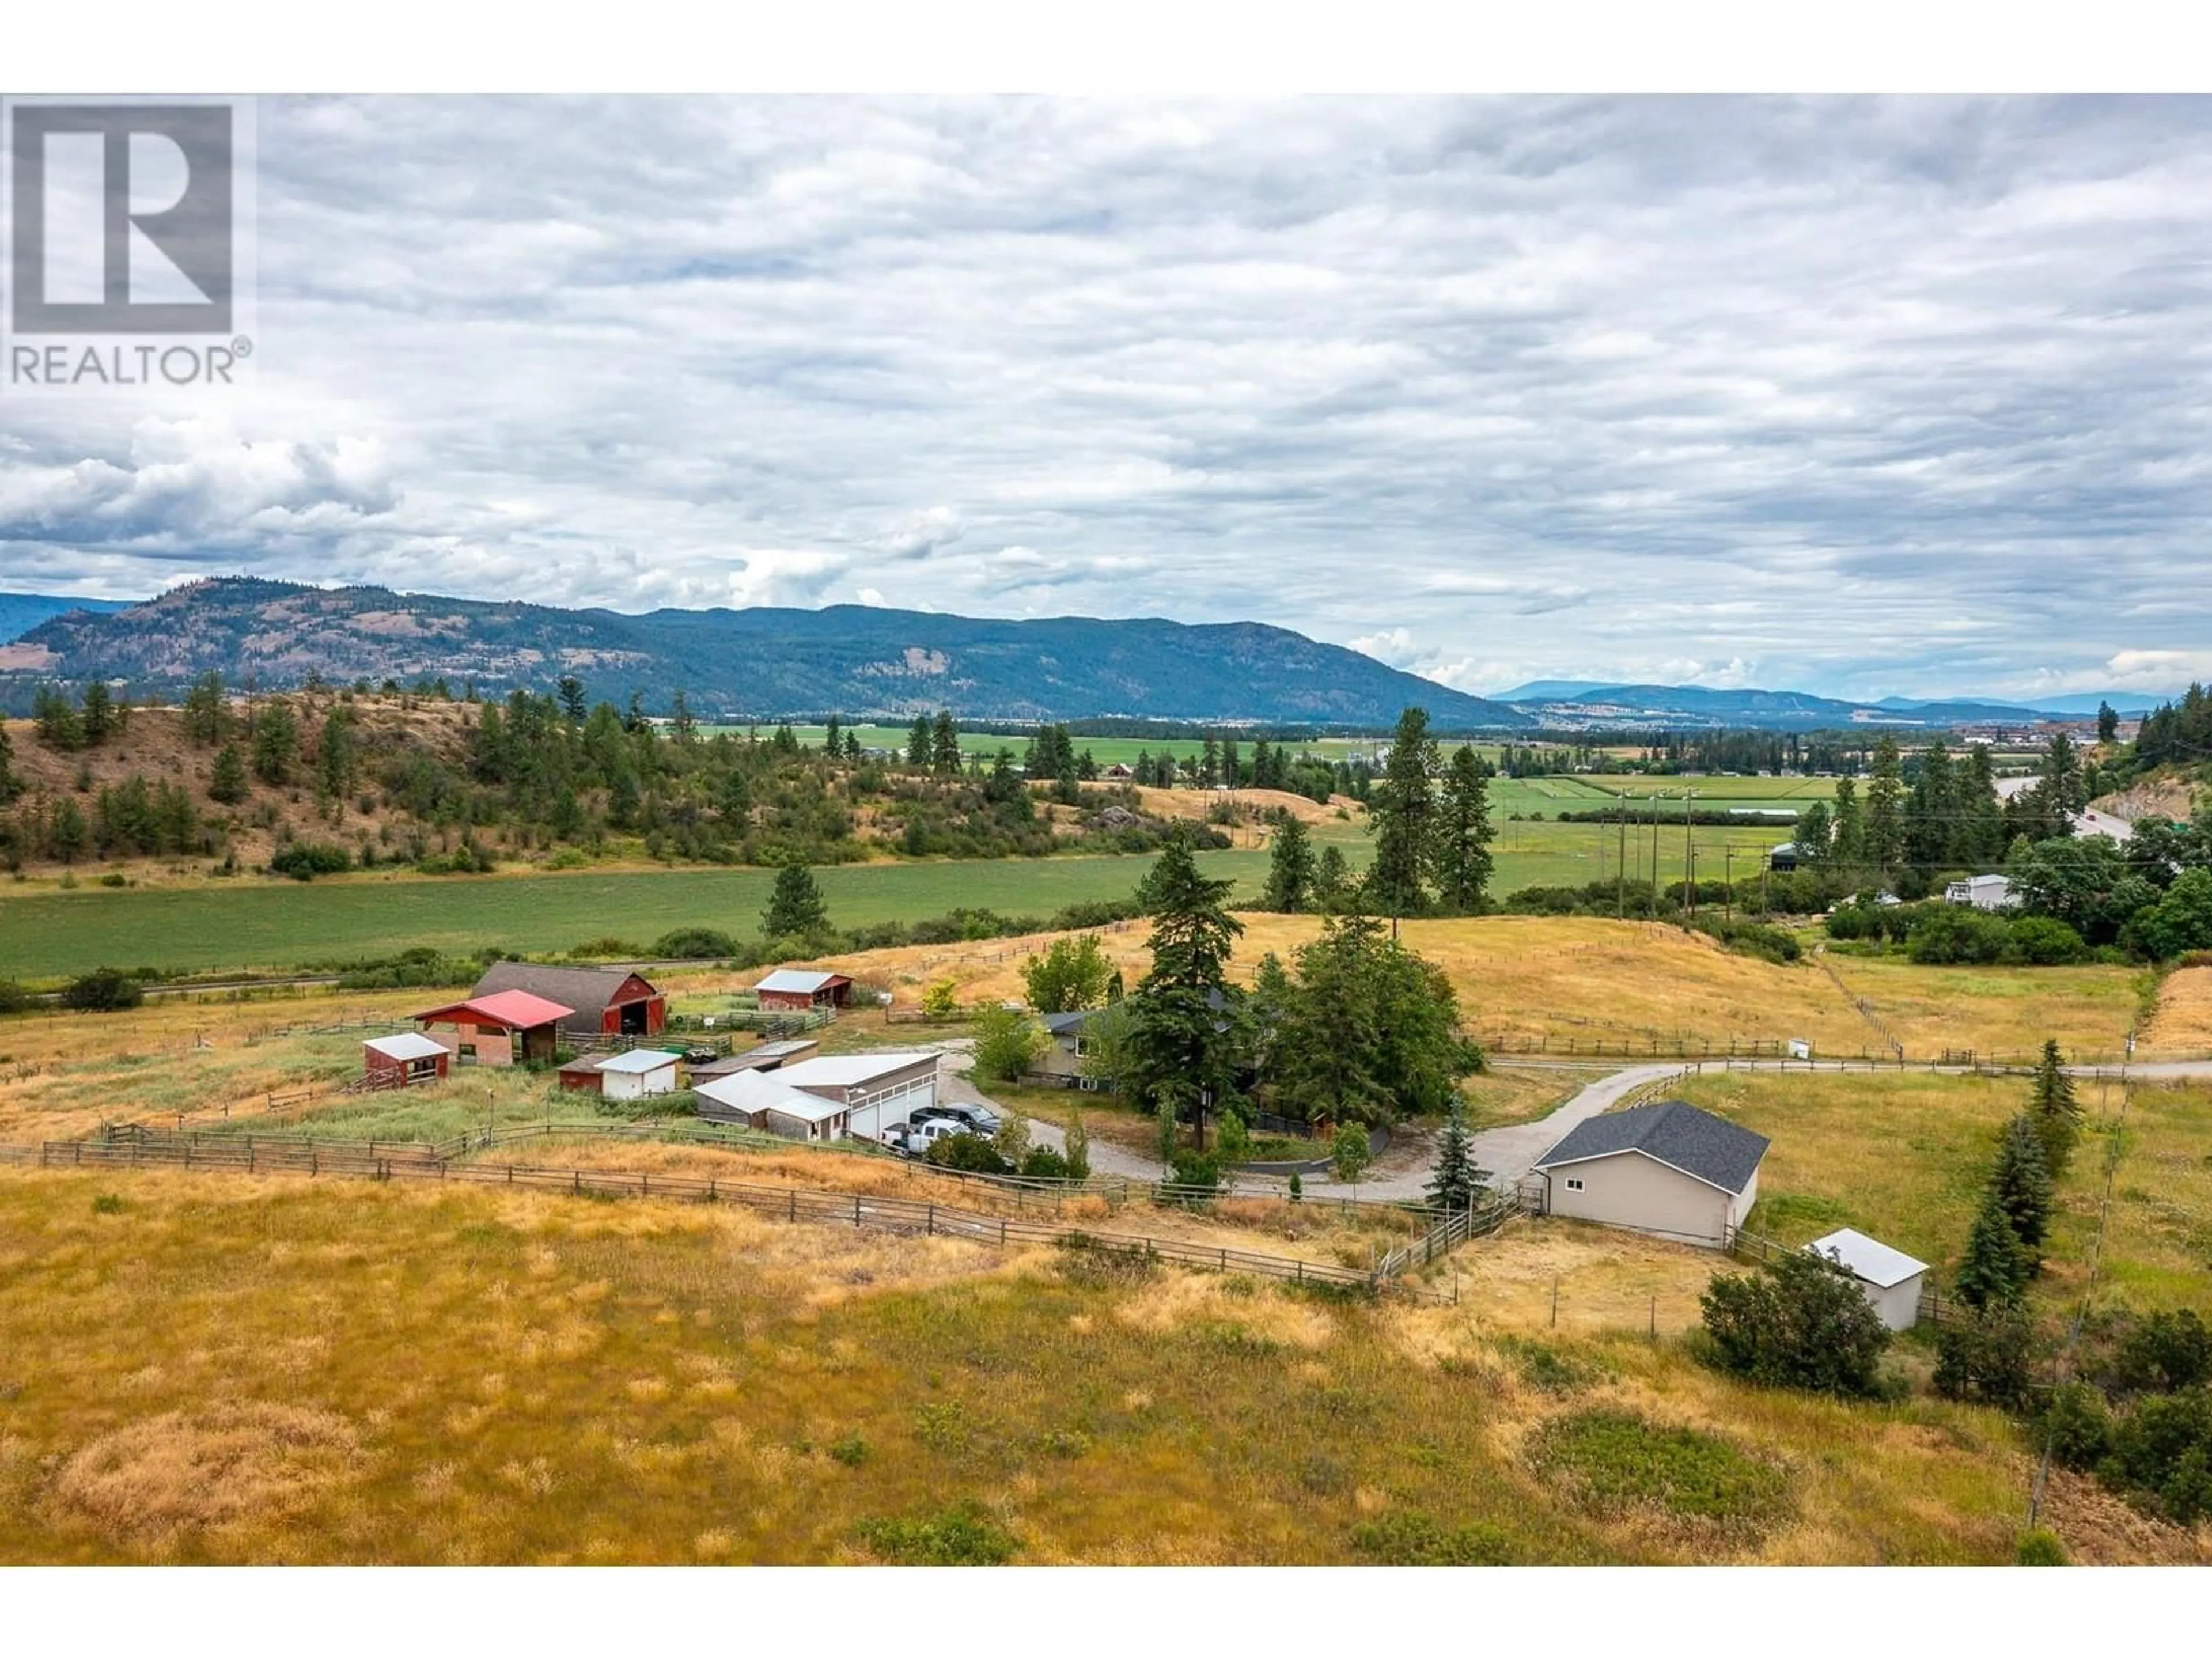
795,990
499,1029
601,1002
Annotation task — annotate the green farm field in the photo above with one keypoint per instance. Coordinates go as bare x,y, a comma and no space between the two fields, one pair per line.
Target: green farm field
255,923
1105,750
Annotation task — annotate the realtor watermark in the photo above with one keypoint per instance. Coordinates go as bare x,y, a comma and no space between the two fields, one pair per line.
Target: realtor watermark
129,232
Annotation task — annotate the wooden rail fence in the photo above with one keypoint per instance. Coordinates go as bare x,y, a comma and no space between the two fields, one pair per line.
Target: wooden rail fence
792,1204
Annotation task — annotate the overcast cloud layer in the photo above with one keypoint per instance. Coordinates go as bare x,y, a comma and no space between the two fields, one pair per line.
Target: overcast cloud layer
1856,397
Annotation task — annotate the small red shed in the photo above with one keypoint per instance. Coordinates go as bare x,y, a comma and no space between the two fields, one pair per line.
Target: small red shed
409,1057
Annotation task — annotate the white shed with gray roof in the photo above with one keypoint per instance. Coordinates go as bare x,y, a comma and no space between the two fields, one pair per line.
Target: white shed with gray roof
1666,1168
1891,1279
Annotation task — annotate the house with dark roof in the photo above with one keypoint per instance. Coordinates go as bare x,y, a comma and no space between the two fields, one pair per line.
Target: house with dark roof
1059,1061
1667,1169
603,1001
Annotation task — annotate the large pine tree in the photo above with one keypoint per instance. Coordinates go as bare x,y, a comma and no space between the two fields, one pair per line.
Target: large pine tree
795,909
1994,1269
1289,869
2057,1113
1402,817
1455,1179
2021,1182
1885,816
1184,1033
1464,833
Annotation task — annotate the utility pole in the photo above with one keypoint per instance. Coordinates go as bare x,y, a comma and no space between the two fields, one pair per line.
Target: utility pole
1728,887
1689,858
1654,906
1621,892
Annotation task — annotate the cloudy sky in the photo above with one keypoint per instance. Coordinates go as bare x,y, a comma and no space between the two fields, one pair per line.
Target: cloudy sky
1856,396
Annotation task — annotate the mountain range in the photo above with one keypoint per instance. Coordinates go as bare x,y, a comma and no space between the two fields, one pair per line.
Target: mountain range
766,662
763,662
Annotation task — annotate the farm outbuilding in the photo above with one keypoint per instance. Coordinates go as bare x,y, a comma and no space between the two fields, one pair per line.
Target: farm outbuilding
408,1058
1982,892
764,1057
602,1001
1666,1168
1891,1279
862,1095
762,1100
796,990
501,1030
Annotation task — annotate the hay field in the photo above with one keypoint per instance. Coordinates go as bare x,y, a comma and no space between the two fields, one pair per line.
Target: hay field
196,1368
2001,1013
2183,1023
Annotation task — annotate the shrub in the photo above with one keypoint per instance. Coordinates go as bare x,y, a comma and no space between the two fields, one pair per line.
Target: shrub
1043,1164
960,1536
303,860
611,949
2046,942
2163,1449
14,999
2076,1426
694,944
2039,1547
102,991
971,1152
852,1451
941,1000
1408,1538
2163,1353
1195,1169
1799,1323
1990,1357
1958,933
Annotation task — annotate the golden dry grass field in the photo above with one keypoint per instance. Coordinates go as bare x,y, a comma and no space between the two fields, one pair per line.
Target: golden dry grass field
1580,981
198,1368
2183,1023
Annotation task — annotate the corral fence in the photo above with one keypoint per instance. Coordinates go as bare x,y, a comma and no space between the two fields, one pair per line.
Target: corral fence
1491,1209
859,1210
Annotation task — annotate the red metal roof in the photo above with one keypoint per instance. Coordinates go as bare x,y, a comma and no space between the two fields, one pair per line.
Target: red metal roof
518,1010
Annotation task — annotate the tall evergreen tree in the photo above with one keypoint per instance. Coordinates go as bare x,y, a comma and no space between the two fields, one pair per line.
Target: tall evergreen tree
228,782
98,719
2108,723
1980,837
1993,1270
11,785
572,709
795,909
334,756
1929,816
207,714
1333,886
2021,1182
1847,841
1464,833
275,743
2056,1112
1183,1037
1401,817
1885,814
921,742
1289,869
944,744
1455,1179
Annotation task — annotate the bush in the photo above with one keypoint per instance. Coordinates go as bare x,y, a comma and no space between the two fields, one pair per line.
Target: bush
694,944
941,1000
961,1536
14,999
970,1152
2163,1353
2039,1548
1799,1323
2163,1449
2076,1426
1990,1357
1043,1164
1959,934
102,991
303,860
607,950
2046,942
1195,1169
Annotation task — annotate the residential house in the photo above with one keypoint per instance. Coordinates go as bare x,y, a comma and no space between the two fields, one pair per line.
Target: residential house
1982,892
1666,1168
861,1095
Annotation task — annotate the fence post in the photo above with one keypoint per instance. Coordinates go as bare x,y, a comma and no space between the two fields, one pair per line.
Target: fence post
929,1223
856,1209
1002,1232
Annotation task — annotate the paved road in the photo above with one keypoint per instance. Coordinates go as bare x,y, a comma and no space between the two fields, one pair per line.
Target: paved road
2087,822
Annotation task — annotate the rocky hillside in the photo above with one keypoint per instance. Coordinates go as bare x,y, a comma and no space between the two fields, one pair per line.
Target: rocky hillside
762,663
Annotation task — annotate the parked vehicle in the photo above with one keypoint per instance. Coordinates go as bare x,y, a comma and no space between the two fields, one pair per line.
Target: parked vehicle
977,1120
914,1139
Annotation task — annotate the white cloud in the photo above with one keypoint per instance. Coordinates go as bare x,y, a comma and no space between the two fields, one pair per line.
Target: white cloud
1864,395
